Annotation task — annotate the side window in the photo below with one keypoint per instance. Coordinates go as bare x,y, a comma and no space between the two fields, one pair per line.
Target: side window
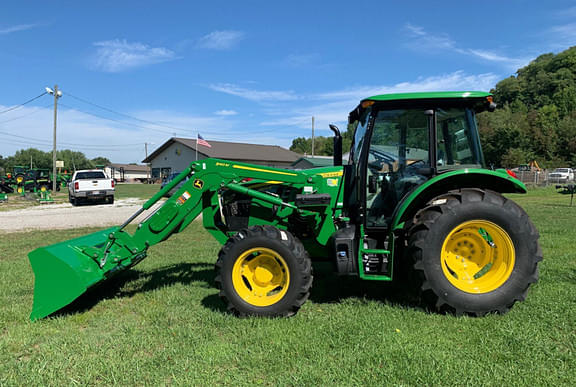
456,143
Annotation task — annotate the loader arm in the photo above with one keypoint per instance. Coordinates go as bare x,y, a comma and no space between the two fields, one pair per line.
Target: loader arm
199,194
66,270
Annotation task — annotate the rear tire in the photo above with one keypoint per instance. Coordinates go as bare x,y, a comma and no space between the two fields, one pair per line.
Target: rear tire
110,200
264,271
474,252
72,200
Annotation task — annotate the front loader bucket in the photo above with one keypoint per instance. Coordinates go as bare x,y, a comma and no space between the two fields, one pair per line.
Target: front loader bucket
63,272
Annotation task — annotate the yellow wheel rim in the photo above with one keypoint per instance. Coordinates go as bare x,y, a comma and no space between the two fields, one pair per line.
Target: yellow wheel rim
20,190
43,188
478,256
19,179
260,276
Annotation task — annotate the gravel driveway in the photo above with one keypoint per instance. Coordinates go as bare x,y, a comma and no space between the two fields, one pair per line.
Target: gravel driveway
65,216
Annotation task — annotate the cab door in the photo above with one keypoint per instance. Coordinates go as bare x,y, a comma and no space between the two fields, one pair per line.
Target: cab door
398,160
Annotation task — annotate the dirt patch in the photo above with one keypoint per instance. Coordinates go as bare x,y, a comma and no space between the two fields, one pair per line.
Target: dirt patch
66,216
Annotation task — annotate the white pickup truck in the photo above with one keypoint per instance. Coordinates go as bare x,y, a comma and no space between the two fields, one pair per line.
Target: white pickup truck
90,185
562,175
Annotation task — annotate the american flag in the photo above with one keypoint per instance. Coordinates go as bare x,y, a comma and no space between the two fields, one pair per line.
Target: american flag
200,141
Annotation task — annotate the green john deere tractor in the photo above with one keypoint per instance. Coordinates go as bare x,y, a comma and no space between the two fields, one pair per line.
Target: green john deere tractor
19,177
412,196
37,180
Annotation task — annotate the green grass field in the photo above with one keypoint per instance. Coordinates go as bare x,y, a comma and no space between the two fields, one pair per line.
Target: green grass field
162,323
140,191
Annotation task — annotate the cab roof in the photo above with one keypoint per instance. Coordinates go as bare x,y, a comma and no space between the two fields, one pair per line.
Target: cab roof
429,95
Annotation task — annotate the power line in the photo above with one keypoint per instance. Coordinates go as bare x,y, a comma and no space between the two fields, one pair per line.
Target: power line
115,120
48,146
26,115
127,115
152,122
28,142
22,104
38,140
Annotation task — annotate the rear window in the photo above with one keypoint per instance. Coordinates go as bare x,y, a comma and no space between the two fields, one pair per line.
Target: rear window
90,175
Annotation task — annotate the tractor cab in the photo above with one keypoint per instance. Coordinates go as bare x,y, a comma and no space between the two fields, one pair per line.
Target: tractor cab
403,140
406,150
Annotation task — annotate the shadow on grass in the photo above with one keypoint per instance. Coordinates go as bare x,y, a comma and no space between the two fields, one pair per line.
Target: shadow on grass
327,287
132,282
331,288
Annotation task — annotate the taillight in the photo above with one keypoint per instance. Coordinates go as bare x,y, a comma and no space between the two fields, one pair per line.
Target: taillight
76,186
511,173
112,183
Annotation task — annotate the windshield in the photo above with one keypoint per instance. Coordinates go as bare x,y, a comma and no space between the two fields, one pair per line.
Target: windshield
90,175
359,126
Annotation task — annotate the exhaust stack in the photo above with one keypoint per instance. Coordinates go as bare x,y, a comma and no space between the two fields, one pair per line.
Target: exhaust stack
337,145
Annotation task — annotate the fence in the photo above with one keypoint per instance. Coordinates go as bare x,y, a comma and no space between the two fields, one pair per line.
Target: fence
539,178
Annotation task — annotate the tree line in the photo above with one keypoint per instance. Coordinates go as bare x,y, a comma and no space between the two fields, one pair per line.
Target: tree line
535,119
537,115
39,159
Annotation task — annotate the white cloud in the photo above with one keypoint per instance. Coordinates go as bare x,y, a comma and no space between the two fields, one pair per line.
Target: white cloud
565,34
458,80
221,40
119,55
420,39
254,95
226,112
565,13
16,28
333,107
423,40
301,60
514,63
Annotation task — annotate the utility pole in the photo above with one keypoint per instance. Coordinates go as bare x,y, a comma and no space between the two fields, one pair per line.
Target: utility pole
312,136
147,164
57,94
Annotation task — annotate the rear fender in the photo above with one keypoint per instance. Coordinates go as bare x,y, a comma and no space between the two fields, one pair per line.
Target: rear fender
498,181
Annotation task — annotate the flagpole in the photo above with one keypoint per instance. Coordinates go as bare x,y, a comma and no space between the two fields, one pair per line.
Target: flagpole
197,134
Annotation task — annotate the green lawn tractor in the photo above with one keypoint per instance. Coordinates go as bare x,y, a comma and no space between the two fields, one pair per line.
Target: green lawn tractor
5,185
37,180
413,197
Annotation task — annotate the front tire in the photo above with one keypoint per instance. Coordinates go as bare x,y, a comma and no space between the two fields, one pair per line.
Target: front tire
474,252
264,271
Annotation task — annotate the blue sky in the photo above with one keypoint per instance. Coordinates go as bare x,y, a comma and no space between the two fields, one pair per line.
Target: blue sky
246,71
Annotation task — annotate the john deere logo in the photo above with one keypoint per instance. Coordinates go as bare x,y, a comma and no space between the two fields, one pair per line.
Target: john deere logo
198,184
